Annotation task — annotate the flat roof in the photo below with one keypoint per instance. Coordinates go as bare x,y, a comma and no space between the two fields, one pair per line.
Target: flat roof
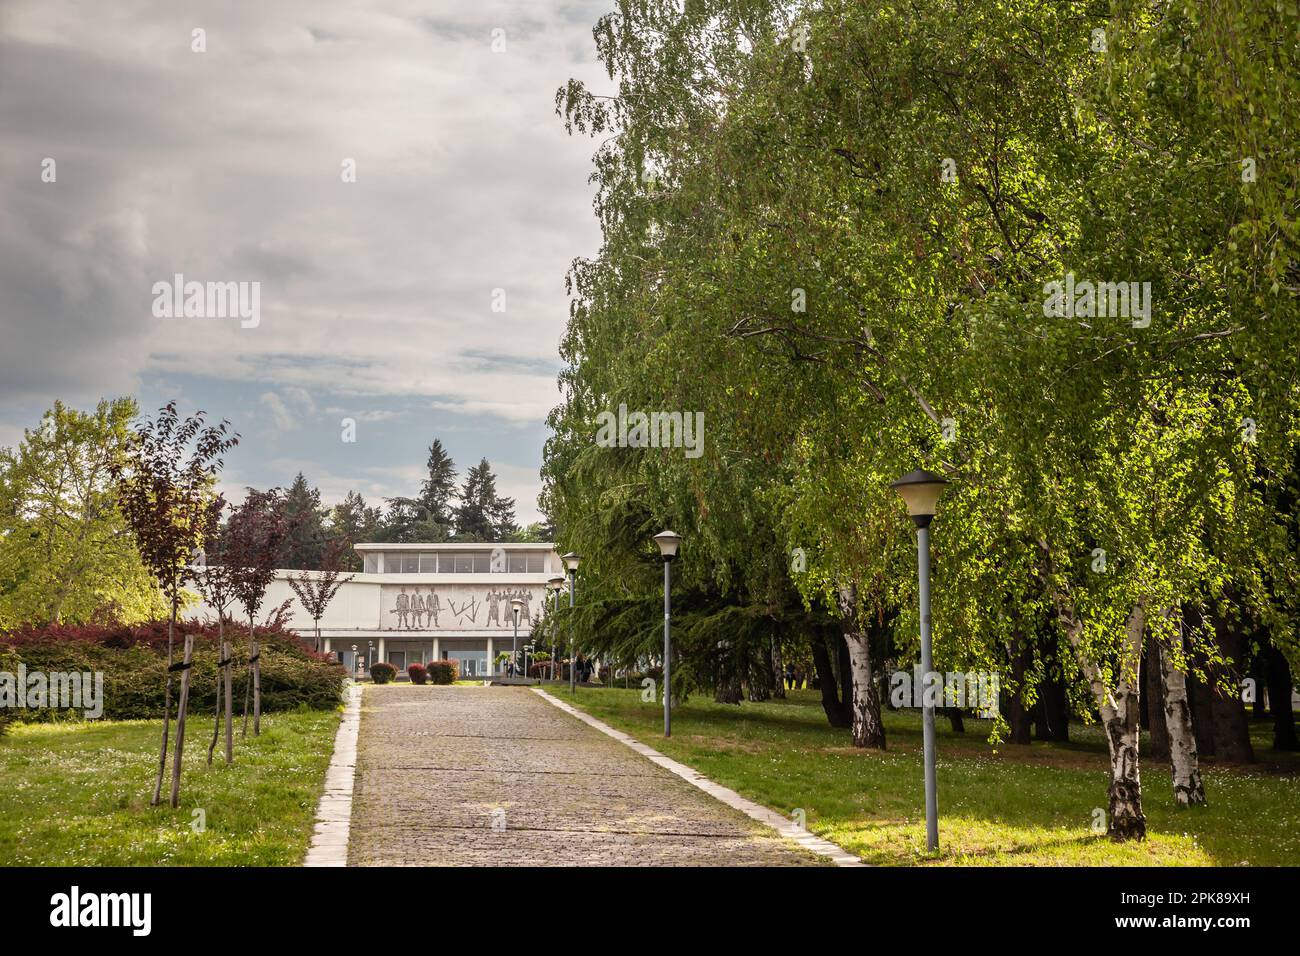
455,546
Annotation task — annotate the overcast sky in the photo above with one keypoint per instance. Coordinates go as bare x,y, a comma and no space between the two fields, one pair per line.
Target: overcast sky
376,296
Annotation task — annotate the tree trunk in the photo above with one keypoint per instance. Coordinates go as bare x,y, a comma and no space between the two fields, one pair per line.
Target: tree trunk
1119,708
1017,713
955,719
1188,787
778,669
167,712
181,706
256,658
1279,701
1198,699
216,722
844,672
1231,726
826,682
868,731
1052,712
248,678
226,652
1157,703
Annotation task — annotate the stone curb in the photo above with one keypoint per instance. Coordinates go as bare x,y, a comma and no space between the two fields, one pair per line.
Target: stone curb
836,854
329,839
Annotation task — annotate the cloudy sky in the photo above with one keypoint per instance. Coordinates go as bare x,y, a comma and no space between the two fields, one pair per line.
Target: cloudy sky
376,296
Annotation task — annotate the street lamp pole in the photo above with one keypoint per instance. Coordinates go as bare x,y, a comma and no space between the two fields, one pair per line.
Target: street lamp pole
516,605
668,544
553,585
920,491
571,562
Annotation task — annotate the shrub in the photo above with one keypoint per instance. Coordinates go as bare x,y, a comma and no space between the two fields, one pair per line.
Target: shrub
417,673
382,673
443,672
133,660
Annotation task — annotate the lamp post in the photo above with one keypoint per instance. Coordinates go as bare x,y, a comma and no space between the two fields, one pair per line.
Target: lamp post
355,669
553,585
571,562
516,606
668,543
920,491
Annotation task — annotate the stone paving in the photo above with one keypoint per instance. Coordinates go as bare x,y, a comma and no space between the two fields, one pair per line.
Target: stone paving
497,776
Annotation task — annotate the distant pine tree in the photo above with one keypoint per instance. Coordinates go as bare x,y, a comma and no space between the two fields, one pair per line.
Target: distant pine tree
439,489
482,514
305,519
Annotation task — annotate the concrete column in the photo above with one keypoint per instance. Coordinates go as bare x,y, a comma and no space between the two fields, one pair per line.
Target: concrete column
492,667
380,652
328,645
437,650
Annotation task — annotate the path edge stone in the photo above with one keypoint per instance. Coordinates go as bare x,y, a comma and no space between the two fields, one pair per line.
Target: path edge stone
768,817
329,838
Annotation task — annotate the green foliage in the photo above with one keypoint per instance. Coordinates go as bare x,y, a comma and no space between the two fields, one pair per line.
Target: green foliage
65,551
746,169
482,514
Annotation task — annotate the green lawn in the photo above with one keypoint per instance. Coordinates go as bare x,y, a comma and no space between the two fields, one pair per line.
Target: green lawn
1005,805
77,794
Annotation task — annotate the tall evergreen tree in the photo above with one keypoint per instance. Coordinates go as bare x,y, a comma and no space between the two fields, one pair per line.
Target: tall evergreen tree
439,489
482,514
305,518
352,521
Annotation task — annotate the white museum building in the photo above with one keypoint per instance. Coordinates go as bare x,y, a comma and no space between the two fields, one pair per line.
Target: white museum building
412,603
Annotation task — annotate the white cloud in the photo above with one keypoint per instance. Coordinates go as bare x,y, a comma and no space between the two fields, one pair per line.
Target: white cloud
225,166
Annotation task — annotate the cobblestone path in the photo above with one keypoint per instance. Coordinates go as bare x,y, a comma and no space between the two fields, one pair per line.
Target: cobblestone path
496,776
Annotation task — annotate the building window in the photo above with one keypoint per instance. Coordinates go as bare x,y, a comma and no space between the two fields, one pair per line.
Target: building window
536,562
370,563
428,564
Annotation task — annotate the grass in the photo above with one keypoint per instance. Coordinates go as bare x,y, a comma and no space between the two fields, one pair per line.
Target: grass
1003,805
77,794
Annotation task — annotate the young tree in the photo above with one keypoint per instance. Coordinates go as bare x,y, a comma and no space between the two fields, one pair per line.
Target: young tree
212,577
255,539
317,590
164,485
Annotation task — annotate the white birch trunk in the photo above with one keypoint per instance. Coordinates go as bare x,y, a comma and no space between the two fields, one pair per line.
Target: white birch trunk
868,731
1119,709
1188,788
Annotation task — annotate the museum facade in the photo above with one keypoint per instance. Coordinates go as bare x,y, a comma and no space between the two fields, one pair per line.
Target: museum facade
412,603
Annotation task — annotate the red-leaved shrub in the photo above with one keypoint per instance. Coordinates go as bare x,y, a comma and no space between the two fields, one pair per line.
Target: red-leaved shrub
417,673
444,671
382,672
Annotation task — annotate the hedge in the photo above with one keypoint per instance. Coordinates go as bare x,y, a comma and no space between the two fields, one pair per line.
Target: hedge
133,660
417,673
381,672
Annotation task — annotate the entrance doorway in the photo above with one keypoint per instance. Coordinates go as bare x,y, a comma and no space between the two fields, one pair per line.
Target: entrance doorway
472,663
